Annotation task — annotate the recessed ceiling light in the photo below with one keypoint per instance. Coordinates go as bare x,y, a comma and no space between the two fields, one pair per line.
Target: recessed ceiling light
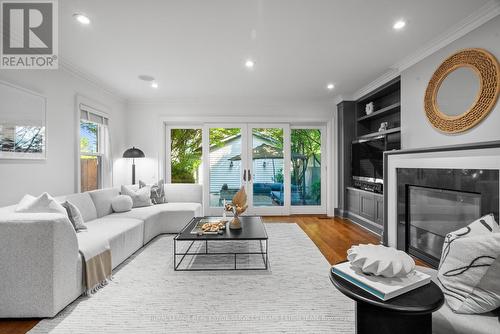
330,86
250,64
154,84
400,24
82,18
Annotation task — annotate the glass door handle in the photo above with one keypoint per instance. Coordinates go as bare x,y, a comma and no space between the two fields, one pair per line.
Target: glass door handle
249,176
245,175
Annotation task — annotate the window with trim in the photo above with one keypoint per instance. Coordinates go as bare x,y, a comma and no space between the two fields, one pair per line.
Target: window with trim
94,150
185,155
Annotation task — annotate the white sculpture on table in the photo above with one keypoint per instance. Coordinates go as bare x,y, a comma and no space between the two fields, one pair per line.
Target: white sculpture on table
380,260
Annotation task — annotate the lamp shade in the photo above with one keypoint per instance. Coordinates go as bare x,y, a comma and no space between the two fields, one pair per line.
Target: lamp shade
133,153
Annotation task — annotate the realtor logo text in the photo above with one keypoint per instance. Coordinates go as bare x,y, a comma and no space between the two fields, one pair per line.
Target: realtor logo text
29,35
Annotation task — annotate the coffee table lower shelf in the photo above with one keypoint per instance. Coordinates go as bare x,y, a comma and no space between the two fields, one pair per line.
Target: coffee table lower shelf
263,252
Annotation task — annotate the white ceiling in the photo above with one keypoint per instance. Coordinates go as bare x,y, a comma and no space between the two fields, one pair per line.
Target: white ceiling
196,49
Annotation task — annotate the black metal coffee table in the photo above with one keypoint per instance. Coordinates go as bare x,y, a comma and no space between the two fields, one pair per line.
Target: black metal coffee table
252,230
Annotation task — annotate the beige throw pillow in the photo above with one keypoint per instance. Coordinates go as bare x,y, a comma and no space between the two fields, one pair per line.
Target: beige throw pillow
470,267
140,197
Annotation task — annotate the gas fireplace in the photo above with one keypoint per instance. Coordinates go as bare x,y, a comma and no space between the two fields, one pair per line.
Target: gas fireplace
433,202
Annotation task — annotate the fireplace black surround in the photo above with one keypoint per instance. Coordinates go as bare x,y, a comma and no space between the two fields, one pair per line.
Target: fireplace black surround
417,194
433,202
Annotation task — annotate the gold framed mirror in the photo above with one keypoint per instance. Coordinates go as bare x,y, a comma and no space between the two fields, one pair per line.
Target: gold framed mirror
462,91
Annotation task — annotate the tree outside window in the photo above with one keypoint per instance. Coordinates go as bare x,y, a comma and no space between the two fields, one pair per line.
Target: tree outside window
90,156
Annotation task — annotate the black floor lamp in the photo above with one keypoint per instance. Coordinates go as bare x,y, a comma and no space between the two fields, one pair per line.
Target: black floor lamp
133,153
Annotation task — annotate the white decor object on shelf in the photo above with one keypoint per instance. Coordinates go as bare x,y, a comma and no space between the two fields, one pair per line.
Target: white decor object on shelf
369,108
380,260
383,126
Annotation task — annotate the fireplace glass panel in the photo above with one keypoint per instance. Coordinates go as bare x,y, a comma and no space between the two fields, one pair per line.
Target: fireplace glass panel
433,213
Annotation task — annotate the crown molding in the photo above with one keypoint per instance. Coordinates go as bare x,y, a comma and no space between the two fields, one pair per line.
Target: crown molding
339,98
90,79
485,13
342,97
383,79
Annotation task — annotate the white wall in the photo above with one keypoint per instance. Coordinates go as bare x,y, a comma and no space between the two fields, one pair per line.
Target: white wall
416,130
145,121
56,174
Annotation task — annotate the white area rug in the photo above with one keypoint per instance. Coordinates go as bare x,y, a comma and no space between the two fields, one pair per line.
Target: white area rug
147,296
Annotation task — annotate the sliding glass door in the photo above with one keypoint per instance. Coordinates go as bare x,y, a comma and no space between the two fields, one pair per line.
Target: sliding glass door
268,181
282,167
225,156
308,169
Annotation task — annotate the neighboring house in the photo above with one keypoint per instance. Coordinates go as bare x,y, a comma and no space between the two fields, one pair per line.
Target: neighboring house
225,168
224,171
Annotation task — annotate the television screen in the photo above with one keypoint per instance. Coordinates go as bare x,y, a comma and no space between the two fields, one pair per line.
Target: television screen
368,158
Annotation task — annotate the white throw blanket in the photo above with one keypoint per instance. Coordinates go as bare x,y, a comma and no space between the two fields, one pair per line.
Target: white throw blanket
96,254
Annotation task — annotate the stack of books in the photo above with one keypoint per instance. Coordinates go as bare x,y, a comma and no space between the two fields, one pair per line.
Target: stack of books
383,288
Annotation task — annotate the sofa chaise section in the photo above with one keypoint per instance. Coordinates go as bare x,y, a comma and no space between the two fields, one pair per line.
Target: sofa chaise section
162,218
40,265
183,203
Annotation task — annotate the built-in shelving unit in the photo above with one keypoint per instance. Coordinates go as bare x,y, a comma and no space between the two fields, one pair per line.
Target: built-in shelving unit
360,206
387,105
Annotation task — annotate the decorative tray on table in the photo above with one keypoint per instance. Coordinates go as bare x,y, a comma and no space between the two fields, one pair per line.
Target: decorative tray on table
209,226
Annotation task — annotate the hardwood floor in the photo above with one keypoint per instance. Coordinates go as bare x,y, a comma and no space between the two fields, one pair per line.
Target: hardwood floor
333,237
9,326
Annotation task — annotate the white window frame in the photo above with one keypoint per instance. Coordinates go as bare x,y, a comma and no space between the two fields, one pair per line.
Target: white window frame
168,147
97,154
327,159
84,104
322,208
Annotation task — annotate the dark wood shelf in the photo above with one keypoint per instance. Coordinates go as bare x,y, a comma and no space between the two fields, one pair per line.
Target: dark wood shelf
378,133
381,112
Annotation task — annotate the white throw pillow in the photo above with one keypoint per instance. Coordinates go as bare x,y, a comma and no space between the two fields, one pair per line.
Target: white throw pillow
140,197
75,216
122,203
41,204
470,267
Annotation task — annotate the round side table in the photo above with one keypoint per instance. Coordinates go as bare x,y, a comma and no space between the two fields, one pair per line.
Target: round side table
409,313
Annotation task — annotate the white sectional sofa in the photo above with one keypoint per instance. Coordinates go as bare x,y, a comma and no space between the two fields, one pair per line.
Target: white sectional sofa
41,268
446,321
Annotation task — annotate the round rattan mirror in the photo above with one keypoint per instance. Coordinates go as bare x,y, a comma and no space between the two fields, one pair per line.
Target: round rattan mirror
462,91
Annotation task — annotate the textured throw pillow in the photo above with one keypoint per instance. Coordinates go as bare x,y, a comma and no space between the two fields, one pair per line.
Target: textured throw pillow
469,270
157,191
140,197
41,204
75,216
122,203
